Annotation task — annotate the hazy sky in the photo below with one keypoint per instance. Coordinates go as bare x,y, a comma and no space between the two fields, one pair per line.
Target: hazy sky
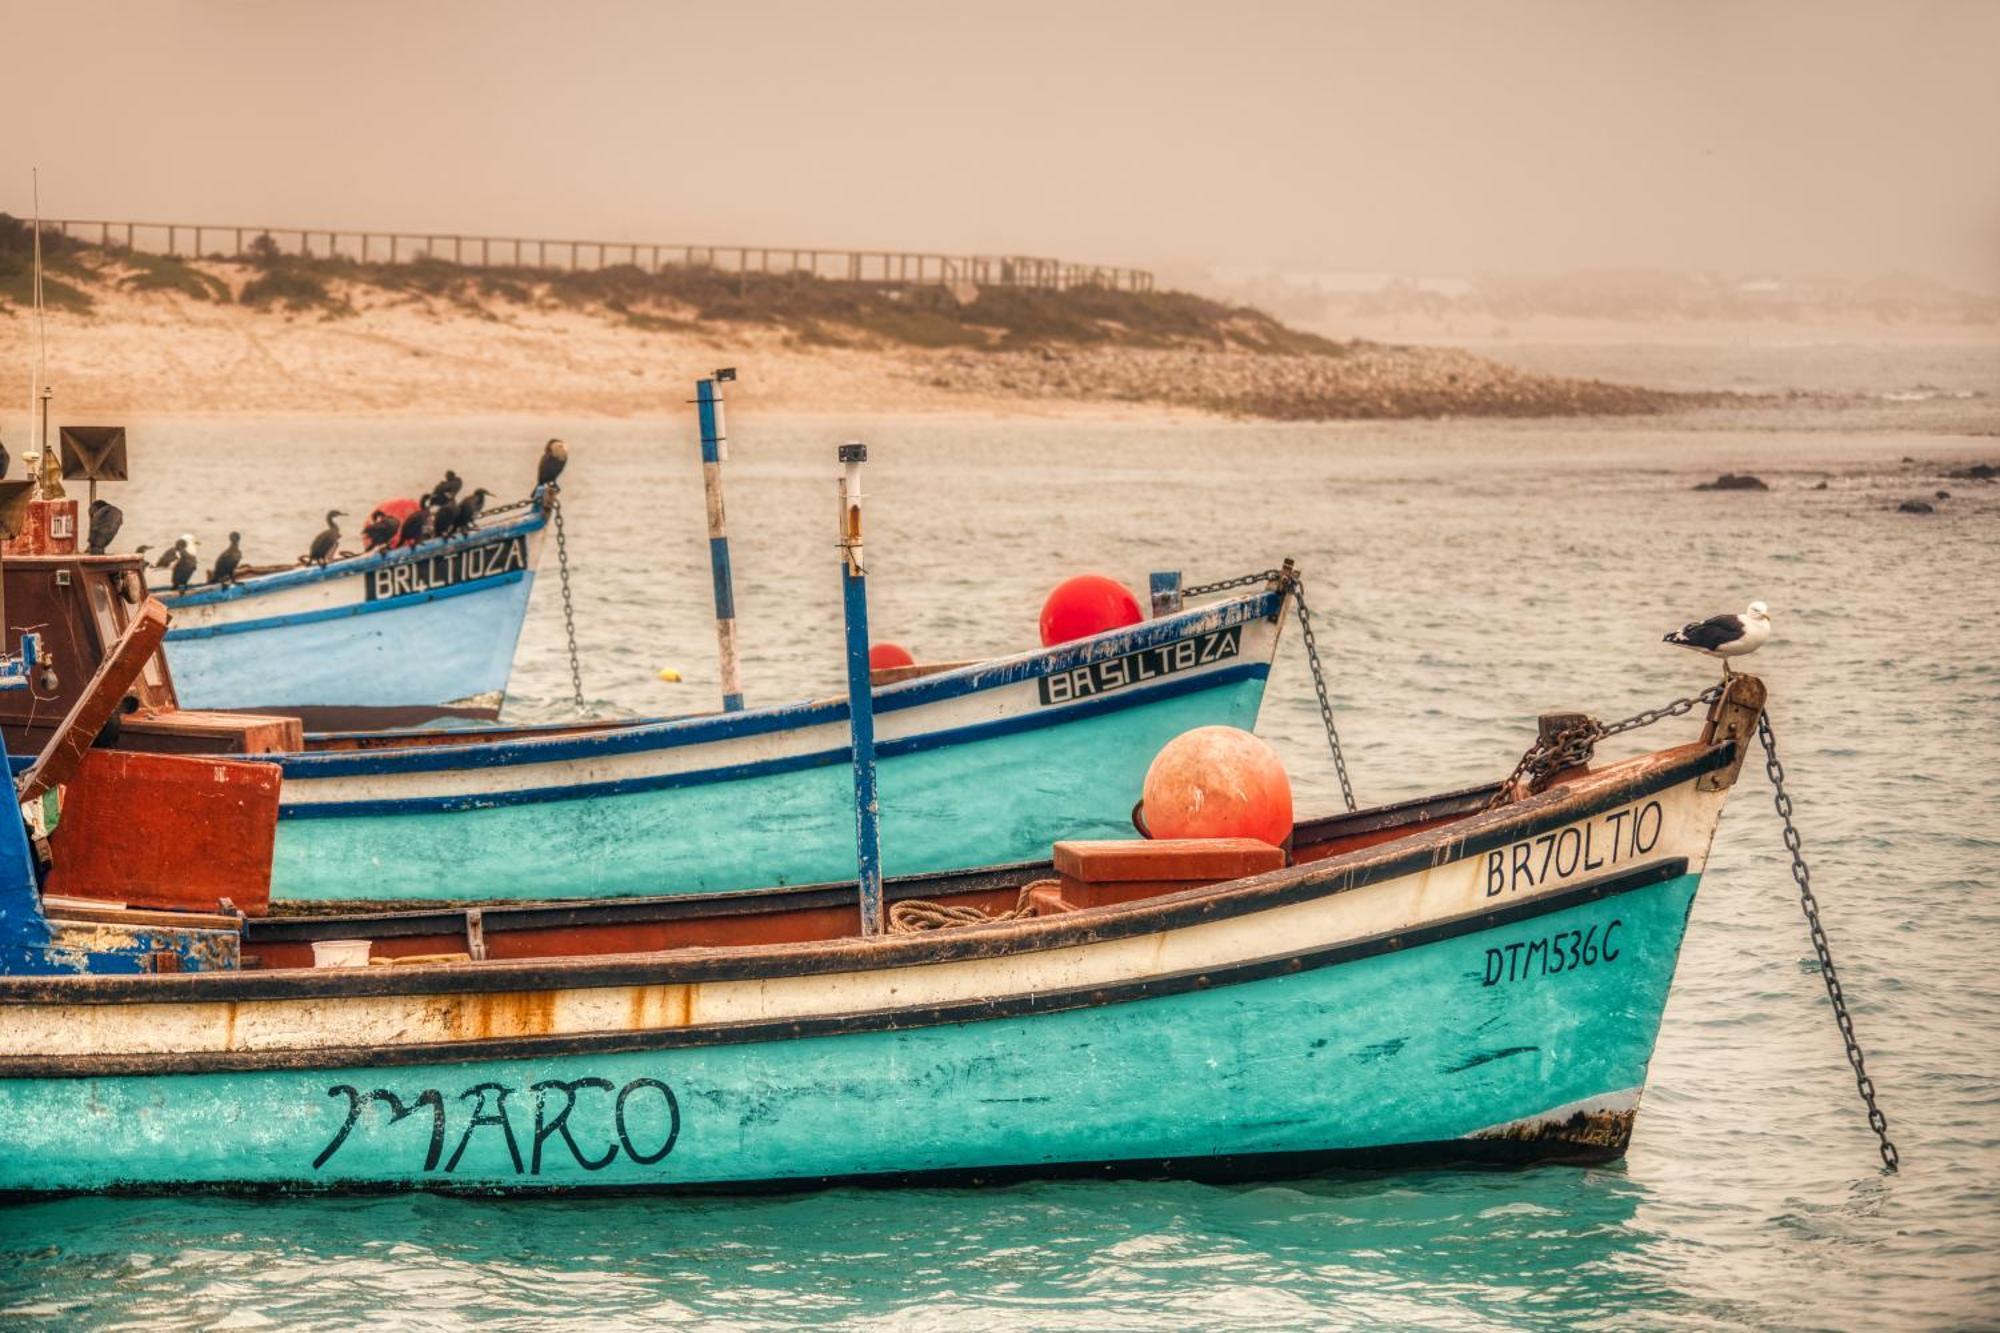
1529,135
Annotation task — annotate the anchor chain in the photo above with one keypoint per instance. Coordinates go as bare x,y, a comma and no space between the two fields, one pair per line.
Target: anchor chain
1319,688
1294,585
1573,745
1224,585
569,604
1801,875
554,503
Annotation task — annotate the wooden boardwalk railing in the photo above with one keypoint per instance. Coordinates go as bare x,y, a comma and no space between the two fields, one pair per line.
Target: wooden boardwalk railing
891,267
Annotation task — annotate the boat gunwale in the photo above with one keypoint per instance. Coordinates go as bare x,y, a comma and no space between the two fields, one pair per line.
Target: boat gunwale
349,610
700,728
1173,687
279,580
1584,795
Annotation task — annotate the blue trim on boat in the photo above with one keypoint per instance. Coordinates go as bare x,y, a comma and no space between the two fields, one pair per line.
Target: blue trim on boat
351,609
352,566
886,749
725,592
734,725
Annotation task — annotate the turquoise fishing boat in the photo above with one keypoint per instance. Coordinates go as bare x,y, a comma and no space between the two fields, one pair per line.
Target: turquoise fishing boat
395,637
980,764
1476,976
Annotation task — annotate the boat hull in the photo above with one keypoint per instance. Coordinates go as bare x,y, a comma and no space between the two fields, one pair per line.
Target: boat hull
1487,992
1406,1056
374,640
977,767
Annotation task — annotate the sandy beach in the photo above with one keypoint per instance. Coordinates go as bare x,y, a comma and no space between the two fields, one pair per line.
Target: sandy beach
377,350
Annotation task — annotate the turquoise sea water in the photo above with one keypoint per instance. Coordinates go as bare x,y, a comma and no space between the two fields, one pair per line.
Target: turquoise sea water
1466,576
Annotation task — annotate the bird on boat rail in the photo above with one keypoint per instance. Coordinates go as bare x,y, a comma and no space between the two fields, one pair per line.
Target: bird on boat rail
445,492
555,457
328,542
170,556
1725,636
442,511
186,565
224,569
416,526
463,514
380,529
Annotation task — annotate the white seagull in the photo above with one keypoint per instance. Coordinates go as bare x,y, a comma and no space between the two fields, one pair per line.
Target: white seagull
1726,636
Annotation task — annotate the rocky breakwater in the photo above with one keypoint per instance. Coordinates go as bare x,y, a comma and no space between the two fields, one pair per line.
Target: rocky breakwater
1355,381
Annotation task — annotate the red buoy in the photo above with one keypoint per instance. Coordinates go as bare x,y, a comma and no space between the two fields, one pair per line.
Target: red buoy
1218,782
1085,605
884,655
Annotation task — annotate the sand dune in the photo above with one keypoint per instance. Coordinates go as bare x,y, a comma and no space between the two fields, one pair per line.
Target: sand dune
397,351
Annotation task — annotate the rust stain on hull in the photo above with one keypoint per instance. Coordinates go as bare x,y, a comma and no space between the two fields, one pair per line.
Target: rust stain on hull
661,1007
1595,1133
472,1017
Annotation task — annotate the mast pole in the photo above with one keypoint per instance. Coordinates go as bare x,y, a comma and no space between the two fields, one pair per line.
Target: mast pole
860,693
714,451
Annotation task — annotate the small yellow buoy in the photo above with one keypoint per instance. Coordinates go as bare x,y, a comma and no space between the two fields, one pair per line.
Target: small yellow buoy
671,676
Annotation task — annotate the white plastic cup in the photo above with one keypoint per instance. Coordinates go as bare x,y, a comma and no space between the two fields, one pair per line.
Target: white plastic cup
341,953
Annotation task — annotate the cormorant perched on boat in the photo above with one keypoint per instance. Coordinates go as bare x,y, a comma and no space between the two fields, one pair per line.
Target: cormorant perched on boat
555,457
468,509
328,541
415,528
445,492
173,553
443,514
379,530
105,520
185,567
226,563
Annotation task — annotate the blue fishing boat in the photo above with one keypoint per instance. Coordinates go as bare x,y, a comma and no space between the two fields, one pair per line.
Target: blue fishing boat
398,636
1476,976
981,763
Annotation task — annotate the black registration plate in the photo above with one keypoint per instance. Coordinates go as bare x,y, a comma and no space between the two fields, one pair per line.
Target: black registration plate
1116,673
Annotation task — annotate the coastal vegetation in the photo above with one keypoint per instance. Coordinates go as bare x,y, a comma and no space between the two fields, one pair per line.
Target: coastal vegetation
989,345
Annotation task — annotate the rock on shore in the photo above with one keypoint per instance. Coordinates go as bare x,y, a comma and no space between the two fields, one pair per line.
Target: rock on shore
1363,381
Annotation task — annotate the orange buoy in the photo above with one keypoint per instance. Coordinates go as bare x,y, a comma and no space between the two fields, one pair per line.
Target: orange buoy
1218,782
1085,605
881,656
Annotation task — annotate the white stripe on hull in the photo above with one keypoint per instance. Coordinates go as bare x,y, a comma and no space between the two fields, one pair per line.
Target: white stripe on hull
1453,890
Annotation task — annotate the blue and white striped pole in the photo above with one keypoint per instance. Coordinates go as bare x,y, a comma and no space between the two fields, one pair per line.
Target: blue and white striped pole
714,450
860,692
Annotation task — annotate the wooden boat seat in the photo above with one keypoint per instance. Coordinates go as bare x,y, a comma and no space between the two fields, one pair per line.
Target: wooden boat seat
1095,874
193,731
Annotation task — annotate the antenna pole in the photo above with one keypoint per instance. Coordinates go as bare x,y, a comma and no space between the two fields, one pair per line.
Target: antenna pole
40,368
